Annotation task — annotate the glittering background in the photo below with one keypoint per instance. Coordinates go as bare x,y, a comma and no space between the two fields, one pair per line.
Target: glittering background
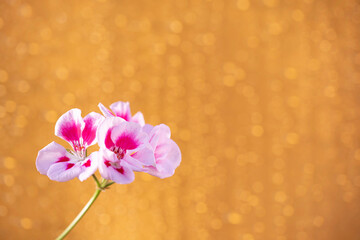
262,97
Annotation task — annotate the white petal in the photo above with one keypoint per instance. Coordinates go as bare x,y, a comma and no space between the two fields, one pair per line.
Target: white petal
89,166
51,154
121,109
138,118
92,122
105,111
104,130
128,136
122,174
70,125
64,171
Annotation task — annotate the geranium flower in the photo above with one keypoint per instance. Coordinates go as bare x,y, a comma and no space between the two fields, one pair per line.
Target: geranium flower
124,148
126,145
166,152
122,109
62,165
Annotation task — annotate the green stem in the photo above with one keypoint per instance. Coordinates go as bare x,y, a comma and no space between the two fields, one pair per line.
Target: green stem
96,180
100,187
80,215
108,184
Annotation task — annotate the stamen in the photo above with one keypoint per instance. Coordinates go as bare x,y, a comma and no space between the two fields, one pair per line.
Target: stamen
80,149
120,153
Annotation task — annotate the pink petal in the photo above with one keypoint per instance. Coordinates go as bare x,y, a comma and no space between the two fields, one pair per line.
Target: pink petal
162,147
120,174
123,175
105,156
147,128
167,153
121,109
145,155
157,133
64,171
134,164
138,118
128,136
163,130
89,166
92,121
167,163
172,159
70,125
51,154
104,131
105,111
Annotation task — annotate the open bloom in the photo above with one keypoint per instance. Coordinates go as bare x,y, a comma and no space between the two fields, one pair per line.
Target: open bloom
166,152
62,165
124,148
122,109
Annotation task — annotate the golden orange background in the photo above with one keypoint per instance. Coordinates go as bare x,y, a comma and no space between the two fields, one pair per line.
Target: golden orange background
262,97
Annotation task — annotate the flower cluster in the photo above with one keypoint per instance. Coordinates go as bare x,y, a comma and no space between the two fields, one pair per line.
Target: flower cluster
126,144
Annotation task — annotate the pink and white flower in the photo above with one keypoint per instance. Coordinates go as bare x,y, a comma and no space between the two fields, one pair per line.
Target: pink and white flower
166,152
62,165
126,145
124,148
122,109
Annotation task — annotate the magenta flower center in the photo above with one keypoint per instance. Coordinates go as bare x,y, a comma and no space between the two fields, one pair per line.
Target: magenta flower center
120,153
